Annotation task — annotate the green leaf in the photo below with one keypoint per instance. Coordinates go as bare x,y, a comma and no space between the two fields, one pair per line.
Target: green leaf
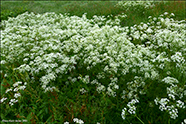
2,116
21,107
29,116
49,119
41,111
2,87
46,110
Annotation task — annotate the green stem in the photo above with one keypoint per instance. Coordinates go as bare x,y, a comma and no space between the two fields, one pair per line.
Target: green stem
139,119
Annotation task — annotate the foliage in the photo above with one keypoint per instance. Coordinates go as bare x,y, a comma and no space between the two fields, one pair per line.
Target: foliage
62,68
8,13
135,15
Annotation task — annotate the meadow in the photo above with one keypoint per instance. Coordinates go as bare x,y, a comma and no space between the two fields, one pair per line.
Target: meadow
93,62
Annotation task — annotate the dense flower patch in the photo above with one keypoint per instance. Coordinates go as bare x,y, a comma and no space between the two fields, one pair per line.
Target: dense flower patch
136,5
132,63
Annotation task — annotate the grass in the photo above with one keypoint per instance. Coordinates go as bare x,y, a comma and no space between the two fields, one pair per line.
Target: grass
92,8
69,34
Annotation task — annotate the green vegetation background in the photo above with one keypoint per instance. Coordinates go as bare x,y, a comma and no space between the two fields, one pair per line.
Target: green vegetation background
13,8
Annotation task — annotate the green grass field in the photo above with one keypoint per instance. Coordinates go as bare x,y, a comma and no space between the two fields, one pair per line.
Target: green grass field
92,8
102,63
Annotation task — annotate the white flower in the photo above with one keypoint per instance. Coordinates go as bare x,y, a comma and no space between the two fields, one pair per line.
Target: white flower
2,62
8,90
66,123
180,104
74,80
171,96
123,114
172,14
82,90
154,18
132,108
17,83
154,75
3,99
94,82
149,30
79,121
51,89
22,87
12,101
173,112
16,89
147,75
163,103
166,13
145,26
100,88
16,95
170,80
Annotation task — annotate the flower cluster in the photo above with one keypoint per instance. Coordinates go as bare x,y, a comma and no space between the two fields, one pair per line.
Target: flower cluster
78,121
172,104
15,90
131,110
56,49
172,110
109,20
134,4
82,90
184,121
136,86
60,49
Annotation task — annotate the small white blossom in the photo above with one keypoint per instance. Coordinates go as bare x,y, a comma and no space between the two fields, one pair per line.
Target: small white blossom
16,89
180,104
66,123
12,101
3,99
170,80
166,13
82,90
100,88
132,108
16,95
123,114
17,83
78,121
22,87
8,90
